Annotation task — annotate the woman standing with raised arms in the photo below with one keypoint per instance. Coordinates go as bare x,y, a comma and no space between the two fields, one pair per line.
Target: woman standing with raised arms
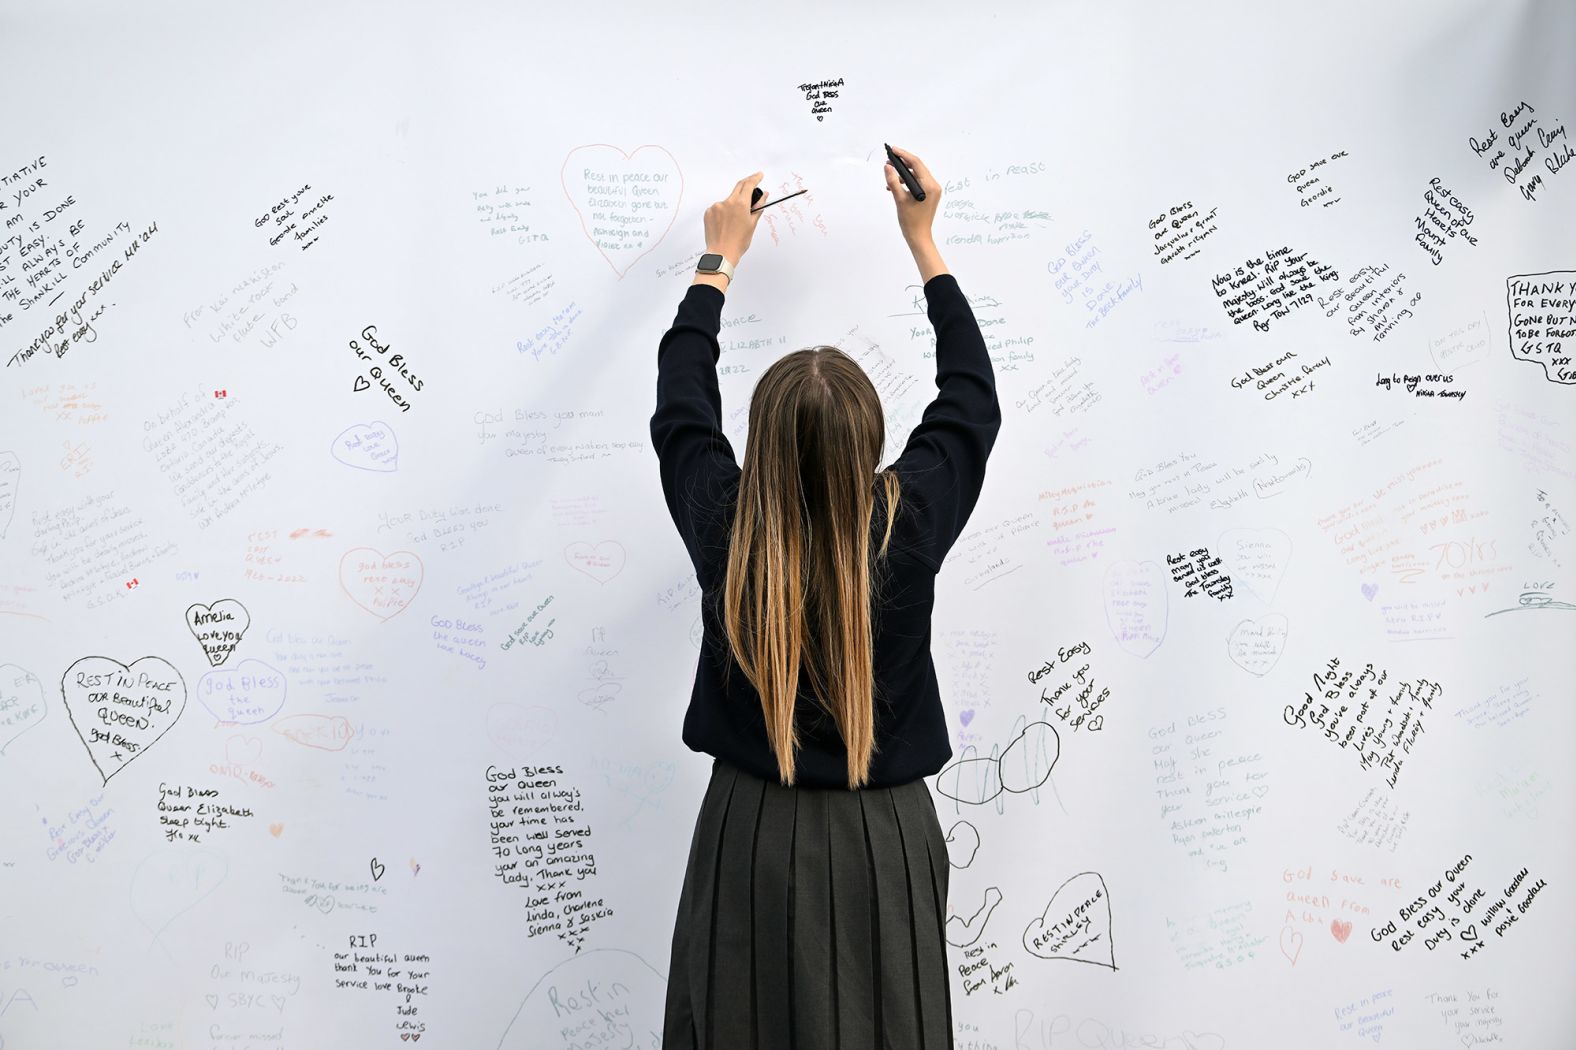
814,901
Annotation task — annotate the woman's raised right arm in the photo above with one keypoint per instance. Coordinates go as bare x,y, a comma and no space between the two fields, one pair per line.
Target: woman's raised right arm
943,463
915,218
927,259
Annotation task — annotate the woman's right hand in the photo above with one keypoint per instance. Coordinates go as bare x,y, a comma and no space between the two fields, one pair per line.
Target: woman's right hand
914,217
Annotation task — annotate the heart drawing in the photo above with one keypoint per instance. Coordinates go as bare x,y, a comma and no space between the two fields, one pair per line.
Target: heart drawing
10,475
626,201
1256,645
1257,559
524,729
1290,944
324,732
367,446
242,750
382,584
1079,927
120,710
601,562
218,627
163,887
1135,605
21,703
246,694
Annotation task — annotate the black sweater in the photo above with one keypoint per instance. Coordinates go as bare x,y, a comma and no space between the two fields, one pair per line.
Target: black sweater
941,471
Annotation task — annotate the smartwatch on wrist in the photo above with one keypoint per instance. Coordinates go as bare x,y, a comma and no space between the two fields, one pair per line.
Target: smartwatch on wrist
713,262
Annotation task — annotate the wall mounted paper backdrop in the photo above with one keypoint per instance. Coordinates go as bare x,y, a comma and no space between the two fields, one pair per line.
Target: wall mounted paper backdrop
345,639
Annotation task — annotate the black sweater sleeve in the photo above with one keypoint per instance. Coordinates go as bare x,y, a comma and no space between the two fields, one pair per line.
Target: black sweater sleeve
946,452
695,458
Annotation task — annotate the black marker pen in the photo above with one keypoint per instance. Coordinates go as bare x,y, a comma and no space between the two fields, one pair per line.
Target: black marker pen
756,195
905,173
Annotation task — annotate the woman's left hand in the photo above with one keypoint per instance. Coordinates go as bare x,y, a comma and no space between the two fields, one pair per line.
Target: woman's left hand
729,222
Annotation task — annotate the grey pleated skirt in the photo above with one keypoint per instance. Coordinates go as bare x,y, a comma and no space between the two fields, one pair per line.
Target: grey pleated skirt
811,919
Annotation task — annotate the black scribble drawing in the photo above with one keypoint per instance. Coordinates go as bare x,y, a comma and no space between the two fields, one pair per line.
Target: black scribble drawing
963,932
960,837
1023,765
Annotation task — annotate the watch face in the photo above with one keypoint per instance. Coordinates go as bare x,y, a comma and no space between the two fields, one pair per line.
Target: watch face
710,261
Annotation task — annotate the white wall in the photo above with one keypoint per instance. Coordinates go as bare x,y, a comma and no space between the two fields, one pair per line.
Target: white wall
339,614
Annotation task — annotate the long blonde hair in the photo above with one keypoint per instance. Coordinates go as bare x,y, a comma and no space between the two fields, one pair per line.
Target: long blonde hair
800,581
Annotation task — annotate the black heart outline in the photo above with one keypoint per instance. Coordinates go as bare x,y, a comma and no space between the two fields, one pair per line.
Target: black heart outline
65,702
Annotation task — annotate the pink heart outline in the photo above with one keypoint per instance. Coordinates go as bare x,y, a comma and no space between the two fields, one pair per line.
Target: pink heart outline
587,558
1295,940
243,750
563,182
350,582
